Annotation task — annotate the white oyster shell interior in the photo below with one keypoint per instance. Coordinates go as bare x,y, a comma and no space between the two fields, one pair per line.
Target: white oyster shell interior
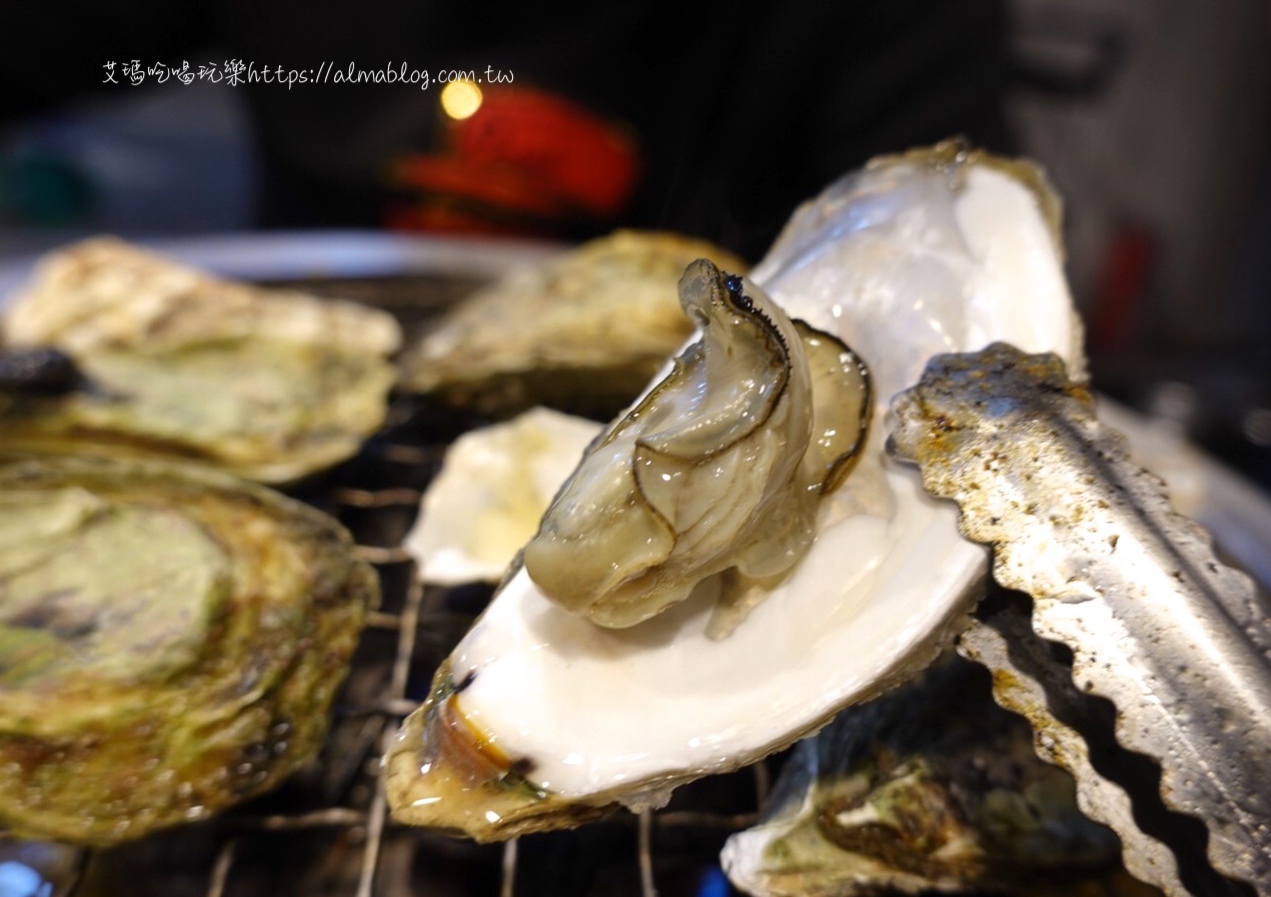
494,485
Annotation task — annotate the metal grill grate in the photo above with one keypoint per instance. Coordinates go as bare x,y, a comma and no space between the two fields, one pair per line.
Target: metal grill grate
327,831
422,624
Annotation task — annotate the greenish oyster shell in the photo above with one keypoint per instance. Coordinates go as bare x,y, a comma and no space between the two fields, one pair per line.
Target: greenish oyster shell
272,385
584,332
170,642
932,787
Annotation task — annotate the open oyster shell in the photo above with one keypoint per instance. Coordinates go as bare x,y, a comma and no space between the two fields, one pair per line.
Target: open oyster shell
584,332
170,641
269,384
540,717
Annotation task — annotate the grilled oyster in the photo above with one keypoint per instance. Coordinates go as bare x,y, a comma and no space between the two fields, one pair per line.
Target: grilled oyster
584,332
272,385
170,641
541,718
932,787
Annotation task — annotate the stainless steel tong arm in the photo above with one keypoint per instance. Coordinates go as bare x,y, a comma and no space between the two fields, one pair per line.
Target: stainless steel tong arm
1178,641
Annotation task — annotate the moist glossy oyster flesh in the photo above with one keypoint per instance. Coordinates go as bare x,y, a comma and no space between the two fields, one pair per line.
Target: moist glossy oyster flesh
932,787
584,332
272,385
541,718
719,468
170,641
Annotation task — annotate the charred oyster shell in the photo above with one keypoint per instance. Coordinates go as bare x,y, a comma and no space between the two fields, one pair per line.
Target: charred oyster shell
271,385
170,642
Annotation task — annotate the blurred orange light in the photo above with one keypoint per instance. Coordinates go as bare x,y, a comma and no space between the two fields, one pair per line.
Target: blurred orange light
460,99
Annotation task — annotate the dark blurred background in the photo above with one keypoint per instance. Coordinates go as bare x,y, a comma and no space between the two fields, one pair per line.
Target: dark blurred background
1152,116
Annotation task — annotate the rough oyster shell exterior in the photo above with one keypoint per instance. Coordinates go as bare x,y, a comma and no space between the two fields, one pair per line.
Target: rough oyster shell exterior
583,333
171,638
269,384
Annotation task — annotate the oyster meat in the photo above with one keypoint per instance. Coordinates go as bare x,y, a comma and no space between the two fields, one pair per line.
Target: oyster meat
171,638
541,718
269,384
584,332
719,468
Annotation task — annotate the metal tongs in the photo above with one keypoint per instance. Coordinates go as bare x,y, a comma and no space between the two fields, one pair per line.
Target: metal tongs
1146,667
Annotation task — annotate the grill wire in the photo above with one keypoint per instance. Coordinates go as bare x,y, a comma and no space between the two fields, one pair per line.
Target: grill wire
327,831
377,496
422,624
